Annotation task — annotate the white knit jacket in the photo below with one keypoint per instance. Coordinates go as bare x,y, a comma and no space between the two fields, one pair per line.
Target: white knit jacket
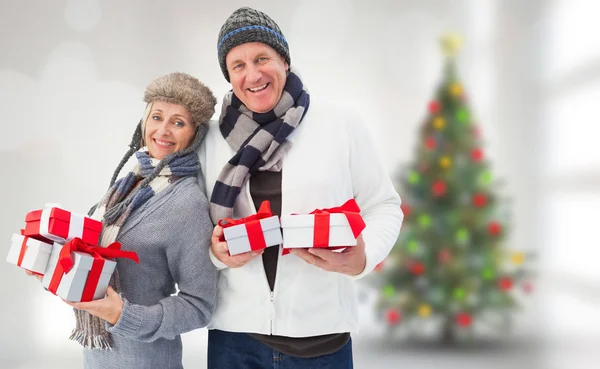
333,158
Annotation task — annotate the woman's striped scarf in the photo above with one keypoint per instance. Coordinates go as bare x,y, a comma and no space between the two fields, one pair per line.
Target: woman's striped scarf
120,201
259,139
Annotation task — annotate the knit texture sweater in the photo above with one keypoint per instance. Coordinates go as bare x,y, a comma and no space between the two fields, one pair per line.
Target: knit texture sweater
171,235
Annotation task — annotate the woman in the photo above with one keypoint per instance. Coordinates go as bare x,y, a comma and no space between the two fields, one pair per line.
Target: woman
158,211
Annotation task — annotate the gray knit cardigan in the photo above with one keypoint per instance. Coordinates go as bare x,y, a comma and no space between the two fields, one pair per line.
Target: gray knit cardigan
171,235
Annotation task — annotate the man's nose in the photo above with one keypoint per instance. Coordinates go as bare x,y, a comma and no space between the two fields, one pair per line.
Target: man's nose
254,73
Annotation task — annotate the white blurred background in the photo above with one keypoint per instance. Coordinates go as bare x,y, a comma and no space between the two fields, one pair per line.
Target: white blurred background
72,75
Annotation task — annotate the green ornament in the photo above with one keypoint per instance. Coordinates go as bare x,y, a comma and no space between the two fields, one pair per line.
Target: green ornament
425,220
459,293
462,235
462,115
412,246
414,178
486,177
488,273
389,291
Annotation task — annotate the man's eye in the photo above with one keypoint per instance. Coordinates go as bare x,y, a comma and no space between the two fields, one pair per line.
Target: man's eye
238,66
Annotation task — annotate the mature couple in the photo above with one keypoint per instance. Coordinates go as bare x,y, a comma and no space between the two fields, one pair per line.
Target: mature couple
273,141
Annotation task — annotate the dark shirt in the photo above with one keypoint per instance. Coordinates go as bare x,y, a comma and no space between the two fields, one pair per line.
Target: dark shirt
267,186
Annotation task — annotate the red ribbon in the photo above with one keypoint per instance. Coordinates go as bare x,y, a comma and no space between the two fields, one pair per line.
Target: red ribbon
256,236
23,250
65,263
322,216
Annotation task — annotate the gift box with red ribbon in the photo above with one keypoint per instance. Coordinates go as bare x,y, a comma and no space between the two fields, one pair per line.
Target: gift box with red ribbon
252,233
325,228
28,253
59,225
78,271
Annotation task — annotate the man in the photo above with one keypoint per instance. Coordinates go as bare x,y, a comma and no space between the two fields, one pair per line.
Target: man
275,142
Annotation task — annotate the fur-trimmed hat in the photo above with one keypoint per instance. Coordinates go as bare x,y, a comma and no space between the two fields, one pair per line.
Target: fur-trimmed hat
250,25
183,89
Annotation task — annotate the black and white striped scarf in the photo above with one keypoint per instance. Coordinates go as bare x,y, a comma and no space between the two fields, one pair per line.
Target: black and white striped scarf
259,139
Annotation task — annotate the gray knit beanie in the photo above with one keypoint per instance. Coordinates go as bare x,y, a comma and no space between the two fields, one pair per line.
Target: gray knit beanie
250,25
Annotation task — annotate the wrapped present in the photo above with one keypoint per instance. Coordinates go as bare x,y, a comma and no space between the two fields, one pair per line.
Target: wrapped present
59,225
78,271
326,228
252,233
29,253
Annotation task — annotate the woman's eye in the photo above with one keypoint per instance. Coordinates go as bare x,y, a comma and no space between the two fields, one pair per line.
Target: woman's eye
179,123
155,117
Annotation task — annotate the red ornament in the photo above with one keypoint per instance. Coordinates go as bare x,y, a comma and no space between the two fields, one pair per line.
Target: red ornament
479,200
392,316
378,267
439,188
494,228
505,284
464,320
406,209
444,256
430,143
417,268
434,107
477,154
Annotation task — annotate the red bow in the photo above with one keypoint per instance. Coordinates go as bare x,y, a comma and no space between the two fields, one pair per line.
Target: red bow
65,263
252,222
111,251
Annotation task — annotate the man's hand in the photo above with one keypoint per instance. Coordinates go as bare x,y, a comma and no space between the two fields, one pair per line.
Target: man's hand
108,308
221,251
351,261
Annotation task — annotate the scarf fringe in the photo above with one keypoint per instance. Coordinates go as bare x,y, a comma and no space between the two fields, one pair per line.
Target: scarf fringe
88,341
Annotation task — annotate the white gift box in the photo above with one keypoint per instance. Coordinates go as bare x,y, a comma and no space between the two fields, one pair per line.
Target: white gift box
36,253
299,231
73,283
239,242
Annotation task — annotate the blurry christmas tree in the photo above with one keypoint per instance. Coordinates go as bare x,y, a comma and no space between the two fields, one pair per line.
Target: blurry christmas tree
448,263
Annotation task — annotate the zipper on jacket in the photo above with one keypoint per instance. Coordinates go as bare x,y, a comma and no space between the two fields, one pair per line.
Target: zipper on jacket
272,293
272,311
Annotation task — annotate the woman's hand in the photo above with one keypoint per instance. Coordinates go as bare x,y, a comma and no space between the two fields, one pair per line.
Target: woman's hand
109,308
221,251
32,274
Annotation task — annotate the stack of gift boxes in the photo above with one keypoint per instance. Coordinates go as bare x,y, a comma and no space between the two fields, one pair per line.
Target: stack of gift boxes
61,246
332,228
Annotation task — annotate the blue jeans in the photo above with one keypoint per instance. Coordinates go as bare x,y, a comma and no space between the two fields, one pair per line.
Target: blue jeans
228,350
